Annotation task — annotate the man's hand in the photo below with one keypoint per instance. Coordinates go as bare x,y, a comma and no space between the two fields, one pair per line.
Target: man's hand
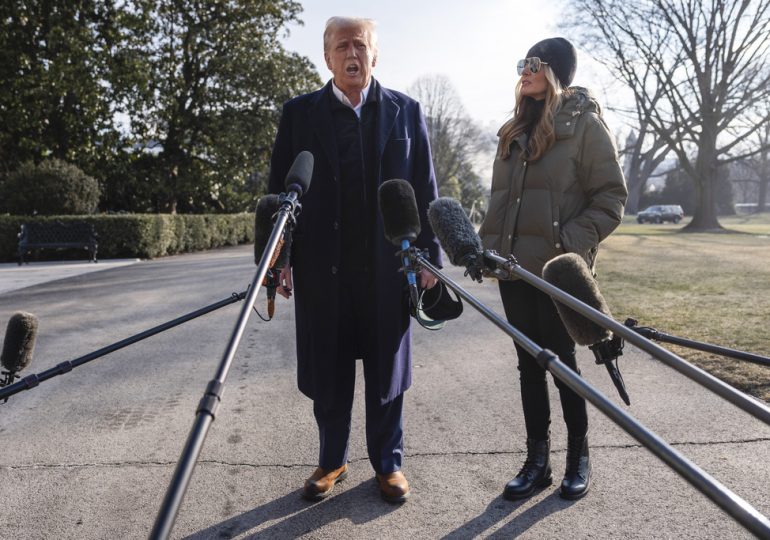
284,282
427,279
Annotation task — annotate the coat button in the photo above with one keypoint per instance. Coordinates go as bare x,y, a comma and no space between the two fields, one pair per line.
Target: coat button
555,223
334,269
568,123
558,245
336,225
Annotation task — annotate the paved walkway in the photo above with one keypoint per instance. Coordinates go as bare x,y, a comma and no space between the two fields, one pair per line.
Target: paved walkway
89,455
14,277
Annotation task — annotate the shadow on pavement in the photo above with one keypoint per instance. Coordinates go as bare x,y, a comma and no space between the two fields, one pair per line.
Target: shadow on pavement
500,509
294,516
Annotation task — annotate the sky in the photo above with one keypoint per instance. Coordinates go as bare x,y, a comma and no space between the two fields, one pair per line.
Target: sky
476,43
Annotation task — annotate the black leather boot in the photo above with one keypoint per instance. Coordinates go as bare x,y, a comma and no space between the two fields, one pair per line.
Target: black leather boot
577,477
535,473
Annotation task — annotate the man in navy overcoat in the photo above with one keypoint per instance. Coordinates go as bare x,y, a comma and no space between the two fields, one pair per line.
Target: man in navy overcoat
350,298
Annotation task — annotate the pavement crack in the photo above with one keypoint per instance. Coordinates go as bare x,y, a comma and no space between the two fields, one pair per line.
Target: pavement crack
410,455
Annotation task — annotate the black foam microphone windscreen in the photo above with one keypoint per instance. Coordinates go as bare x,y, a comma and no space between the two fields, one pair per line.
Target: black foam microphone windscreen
570,273
300,173
454,230
267,206
398,207
19,341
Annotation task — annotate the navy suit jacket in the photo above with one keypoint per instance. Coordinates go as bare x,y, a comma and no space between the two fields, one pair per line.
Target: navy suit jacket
402,151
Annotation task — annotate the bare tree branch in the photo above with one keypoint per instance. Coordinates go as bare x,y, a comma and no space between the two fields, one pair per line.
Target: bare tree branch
697,70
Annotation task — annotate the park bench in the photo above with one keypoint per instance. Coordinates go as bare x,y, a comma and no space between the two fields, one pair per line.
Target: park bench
57,234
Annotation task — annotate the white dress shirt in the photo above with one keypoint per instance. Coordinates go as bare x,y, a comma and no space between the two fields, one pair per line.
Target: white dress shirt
344,99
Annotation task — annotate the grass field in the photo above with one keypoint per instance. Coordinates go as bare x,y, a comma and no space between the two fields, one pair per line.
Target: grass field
710,287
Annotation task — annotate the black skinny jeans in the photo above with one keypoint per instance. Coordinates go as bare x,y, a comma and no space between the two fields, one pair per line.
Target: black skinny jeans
534,313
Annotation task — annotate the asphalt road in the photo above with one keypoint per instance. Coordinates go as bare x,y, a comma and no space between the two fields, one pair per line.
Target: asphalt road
89,454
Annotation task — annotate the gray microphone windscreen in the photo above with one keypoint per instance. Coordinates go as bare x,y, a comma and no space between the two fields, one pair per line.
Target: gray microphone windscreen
263,223
454,230
19,341
570,273
300,173
398,207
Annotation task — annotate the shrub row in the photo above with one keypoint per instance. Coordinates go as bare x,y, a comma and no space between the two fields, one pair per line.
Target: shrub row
143,235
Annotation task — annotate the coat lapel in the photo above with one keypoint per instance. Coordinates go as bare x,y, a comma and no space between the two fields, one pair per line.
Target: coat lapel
386,119
323,126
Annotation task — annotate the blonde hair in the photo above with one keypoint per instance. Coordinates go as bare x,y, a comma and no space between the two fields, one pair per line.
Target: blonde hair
543,134
369,26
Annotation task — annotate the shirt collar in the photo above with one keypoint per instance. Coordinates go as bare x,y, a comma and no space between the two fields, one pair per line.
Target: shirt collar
344,99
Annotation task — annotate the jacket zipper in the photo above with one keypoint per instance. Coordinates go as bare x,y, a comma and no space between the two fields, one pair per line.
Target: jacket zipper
519,200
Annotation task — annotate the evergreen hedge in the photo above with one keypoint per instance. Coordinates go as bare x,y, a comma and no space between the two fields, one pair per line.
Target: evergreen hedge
144,236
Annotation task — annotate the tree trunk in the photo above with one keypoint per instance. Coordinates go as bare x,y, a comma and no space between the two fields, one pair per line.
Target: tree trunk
635,190
705,217
764,175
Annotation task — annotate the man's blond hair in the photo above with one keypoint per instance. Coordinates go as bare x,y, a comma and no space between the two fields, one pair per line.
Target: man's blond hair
369,26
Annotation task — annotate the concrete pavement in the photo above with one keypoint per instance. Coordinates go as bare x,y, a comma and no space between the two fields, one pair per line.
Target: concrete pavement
89,454
14,277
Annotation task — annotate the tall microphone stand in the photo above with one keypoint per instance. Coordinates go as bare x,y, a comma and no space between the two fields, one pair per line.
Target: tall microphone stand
652,333
206,411
731,503
31,381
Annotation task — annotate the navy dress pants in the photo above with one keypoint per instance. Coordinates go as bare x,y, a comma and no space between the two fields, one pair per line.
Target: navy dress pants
384,429
533,312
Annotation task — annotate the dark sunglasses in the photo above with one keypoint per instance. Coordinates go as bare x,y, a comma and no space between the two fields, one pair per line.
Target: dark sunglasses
534,63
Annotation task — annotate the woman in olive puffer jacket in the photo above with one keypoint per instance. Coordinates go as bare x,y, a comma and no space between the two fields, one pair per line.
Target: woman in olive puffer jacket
557,188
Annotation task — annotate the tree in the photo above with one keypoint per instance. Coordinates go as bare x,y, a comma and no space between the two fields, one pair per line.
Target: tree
762,167
170,104
759,162
696,69
454,139
58,91
217,75
641,161
679,189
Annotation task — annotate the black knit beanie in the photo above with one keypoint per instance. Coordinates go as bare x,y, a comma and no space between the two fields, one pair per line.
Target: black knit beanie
560,56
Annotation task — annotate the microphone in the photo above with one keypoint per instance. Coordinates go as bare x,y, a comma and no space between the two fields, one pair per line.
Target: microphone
267,207
300,173
570,273
18,345
401,221
297,184
456,234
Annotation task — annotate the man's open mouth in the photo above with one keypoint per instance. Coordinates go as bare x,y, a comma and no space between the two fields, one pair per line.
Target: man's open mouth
352,69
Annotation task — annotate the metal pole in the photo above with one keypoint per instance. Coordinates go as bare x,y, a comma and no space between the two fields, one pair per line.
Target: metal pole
31,381
722,389
731,503
651,333
206,412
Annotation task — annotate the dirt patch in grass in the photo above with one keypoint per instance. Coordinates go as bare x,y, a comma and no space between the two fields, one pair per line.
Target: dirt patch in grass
713,288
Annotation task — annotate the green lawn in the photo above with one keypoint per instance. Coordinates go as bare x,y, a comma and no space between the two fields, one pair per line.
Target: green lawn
711,287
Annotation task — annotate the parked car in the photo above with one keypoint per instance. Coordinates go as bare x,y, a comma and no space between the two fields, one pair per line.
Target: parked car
660,213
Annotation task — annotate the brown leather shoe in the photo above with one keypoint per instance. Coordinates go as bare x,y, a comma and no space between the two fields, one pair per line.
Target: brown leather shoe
393,487
322,482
